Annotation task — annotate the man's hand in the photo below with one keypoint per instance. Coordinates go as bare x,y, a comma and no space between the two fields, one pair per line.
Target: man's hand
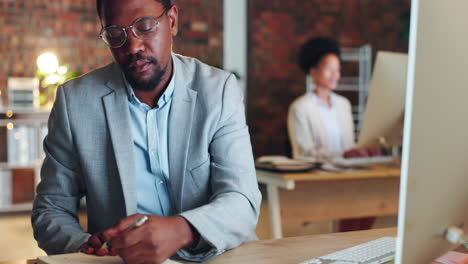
153,242
94,246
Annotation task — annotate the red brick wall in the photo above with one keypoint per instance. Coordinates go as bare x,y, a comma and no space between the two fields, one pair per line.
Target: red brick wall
279,27
70,29
201,30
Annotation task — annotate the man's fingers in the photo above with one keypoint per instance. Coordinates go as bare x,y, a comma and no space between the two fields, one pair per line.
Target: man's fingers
109,233
112,252
94,241
129,238
92,245
121,226
126,222
87,249
101,252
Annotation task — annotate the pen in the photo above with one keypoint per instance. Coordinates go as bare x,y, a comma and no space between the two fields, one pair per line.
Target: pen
140,221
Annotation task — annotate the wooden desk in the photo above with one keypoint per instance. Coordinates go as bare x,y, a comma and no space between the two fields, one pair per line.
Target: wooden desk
320,196
288,250
297,249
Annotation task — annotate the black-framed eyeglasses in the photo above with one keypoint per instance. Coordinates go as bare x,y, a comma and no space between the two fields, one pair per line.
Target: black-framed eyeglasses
143,28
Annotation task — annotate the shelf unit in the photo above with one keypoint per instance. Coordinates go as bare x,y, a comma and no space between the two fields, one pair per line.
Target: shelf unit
22,131
359,84
20,207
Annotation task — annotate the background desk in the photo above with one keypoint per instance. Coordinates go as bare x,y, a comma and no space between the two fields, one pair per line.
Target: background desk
319,196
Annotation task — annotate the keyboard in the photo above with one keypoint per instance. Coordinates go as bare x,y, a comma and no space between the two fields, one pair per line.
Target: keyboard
376,251
362,161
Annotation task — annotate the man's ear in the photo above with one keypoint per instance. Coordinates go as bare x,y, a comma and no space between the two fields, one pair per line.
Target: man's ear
173,15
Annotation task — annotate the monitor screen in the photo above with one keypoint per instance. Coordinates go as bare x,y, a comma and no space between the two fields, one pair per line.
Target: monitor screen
382,125
434,173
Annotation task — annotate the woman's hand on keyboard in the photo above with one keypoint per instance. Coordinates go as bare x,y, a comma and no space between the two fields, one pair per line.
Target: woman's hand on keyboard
356,153
367,152
374,152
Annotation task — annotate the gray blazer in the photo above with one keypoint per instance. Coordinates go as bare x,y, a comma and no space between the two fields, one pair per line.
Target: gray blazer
89,152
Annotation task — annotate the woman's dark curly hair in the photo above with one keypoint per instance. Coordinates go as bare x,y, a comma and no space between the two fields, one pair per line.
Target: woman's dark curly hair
312,52
167,4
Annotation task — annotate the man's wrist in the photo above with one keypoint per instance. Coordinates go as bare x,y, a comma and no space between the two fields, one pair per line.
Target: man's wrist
188,233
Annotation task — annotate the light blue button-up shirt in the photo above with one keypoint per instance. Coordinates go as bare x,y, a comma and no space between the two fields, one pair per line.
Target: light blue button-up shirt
330,121
151,155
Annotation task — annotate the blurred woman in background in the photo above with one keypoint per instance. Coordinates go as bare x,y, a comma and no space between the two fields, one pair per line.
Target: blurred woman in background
320,122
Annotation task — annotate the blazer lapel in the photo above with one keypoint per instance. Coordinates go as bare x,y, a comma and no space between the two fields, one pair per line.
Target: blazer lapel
180,125
118,122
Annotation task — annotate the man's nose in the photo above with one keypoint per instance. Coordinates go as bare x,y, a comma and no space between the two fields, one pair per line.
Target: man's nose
134,45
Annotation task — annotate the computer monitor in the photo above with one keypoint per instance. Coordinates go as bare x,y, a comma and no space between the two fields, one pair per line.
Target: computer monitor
382,125
434,173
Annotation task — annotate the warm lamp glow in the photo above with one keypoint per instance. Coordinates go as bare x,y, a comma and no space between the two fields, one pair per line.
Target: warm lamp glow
51,79
47,63
62,70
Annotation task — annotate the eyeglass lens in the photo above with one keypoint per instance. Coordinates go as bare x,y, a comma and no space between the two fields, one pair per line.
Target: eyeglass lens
143,28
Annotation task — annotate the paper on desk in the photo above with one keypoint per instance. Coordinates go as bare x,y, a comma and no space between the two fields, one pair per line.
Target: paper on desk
81,258
333,168
282,163
453,257
281,160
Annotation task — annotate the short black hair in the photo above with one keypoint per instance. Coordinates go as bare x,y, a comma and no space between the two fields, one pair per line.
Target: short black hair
167,4
312,52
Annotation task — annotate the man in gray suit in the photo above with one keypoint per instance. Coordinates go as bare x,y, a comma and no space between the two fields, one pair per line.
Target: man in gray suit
153,134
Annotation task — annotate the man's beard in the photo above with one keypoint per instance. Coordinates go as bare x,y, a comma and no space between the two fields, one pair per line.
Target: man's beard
144,85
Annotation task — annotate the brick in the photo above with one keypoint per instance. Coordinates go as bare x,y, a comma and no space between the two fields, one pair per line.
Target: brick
277,30
70,28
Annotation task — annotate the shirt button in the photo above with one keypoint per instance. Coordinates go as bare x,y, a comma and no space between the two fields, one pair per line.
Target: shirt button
161,182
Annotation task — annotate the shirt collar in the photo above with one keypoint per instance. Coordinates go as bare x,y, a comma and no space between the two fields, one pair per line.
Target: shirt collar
321,103
166,96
